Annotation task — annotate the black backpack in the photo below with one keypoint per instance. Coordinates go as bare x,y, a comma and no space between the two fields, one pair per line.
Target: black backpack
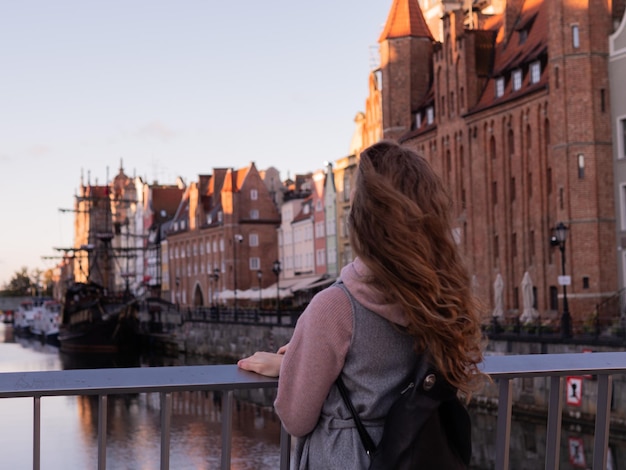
427,427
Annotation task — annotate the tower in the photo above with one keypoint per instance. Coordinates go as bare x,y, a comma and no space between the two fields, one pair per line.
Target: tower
406,49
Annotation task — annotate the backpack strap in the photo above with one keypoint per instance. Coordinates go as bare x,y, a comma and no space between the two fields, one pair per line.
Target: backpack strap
368,443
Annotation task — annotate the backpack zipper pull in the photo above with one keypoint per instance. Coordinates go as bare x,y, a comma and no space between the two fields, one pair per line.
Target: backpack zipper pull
408,387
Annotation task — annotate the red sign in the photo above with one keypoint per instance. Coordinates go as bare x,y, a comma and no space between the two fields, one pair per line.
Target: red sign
574,391
576,452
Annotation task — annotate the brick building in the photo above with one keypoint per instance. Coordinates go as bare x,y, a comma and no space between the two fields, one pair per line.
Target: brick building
223,234
512,109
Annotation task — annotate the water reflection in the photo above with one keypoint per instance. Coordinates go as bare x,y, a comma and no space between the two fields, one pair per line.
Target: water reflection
528,443
69,424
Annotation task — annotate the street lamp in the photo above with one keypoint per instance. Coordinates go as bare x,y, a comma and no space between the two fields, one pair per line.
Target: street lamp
238,239
259,276
558,239
276,270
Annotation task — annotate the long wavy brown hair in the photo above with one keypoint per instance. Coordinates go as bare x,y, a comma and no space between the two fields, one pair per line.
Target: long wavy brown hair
400,228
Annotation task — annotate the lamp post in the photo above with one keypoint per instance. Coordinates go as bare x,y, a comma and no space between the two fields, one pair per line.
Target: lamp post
276,270
238,239
558,239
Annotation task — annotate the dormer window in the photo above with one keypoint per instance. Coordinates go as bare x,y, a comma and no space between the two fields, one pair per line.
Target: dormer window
306,209
254,214
220,216
499,87
517,79
535,72
418,120
523,35
254,194
430,115
209,219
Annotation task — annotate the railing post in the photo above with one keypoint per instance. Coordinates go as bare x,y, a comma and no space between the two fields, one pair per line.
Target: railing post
102,431
36,432
603,420
503,437
166,421
285,449
227,428
555,410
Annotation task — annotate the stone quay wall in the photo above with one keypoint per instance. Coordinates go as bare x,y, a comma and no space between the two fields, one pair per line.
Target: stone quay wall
229,341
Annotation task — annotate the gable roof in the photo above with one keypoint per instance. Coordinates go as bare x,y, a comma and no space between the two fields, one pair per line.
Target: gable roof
405,19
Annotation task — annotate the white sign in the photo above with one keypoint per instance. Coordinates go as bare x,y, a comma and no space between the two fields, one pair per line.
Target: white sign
565,280
574,391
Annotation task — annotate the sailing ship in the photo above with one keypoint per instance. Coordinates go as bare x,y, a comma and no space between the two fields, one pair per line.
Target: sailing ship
97,321
100,310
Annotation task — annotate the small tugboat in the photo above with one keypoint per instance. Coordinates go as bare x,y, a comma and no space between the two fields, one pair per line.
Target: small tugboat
46,321
24,317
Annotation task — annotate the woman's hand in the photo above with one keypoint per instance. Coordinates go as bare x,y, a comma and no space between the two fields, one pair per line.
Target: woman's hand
264,363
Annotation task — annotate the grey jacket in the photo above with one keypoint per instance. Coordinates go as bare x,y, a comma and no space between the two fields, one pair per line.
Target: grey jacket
378,364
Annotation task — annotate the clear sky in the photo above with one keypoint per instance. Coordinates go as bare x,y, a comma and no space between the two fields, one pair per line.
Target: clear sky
171,88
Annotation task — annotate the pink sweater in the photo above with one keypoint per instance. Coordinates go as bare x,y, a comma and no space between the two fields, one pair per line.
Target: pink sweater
318,348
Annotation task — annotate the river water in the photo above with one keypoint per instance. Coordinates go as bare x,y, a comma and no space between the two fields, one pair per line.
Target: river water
69,424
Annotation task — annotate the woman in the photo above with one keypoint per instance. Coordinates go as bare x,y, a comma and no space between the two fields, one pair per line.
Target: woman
407,291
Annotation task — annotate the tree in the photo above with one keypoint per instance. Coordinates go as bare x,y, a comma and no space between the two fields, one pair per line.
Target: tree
20,284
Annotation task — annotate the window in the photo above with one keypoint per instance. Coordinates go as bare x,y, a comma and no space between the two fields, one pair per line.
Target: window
581,166
253,239
418,120
554,298
255,264
220,217
535,72
254,214
575,36
319,229
318,206
499,87
208,247
517,79
494,192
254,194
585,282
430,115
523,35
222,245
346,187
514,245
320,256
513,189
496,248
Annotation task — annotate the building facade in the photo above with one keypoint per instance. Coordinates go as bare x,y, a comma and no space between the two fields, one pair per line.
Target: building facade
512,111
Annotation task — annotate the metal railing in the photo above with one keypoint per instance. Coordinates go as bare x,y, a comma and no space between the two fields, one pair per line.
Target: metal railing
227,378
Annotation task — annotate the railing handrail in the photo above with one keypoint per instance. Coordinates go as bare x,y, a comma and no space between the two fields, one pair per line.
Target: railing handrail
227,378
130,380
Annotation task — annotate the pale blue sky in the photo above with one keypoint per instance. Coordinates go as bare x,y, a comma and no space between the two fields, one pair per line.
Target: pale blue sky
172,88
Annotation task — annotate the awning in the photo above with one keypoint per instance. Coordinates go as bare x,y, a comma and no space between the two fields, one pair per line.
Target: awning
287,287
321,283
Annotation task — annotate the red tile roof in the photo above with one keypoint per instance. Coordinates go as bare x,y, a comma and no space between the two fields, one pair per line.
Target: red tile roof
405,19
